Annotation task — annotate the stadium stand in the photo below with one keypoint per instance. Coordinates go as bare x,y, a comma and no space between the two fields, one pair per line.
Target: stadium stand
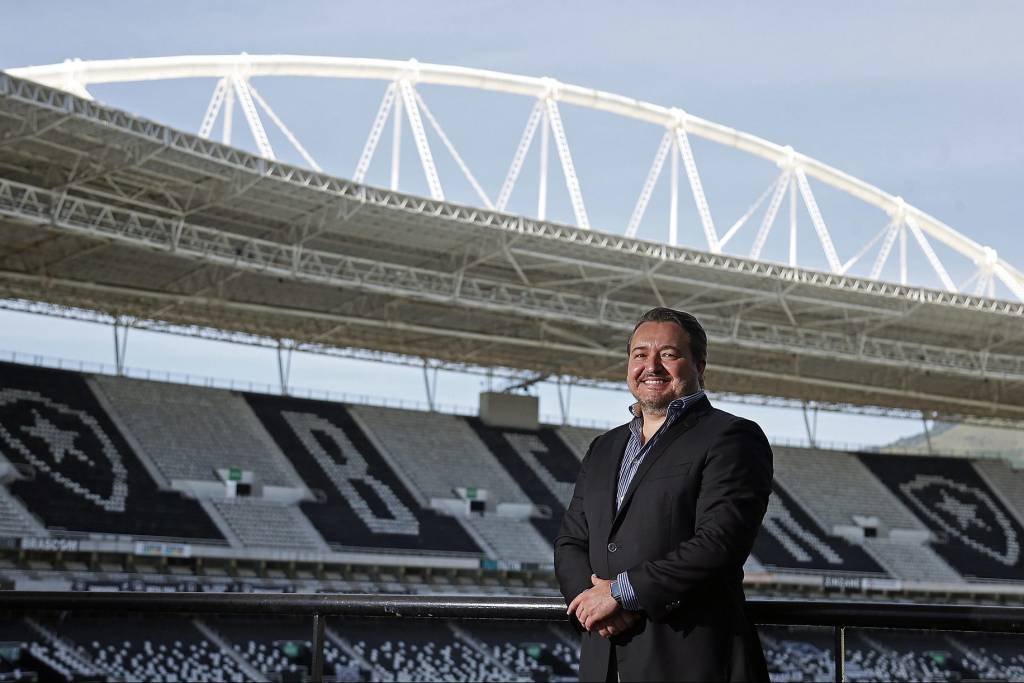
23,657
418,651
191,432
361,502
60,653
549,460
992,656
542,466
810,475
797,653
910,560
511,539
893,655
1006,482
133,648
433,451
578,439
15,520
275,648
256,523
800,653
362,481
974,532
78,472
532,652
791,540
441,454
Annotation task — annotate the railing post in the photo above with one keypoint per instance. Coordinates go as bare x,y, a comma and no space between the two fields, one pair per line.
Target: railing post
317,674
839,652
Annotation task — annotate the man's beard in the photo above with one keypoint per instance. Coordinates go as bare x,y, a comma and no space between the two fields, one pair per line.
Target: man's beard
657,408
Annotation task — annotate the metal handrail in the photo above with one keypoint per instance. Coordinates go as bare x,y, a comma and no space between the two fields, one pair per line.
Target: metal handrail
839,615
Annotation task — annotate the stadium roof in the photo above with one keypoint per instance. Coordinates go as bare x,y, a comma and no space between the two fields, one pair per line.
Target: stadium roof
104,211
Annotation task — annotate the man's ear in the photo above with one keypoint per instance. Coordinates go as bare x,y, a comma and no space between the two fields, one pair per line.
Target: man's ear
700,372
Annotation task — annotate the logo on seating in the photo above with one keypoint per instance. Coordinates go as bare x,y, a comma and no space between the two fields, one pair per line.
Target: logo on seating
966,513
65,444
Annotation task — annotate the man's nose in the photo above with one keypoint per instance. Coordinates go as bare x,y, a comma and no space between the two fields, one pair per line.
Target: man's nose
653,362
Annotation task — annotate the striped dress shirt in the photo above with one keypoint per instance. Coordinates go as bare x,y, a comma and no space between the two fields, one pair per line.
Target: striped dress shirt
636,450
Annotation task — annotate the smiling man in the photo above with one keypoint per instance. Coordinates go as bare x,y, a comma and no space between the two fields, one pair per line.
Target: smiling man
665,510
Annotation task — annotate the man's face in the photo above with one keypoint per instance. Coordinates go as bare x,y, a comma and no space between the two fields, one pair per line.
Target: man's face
661,367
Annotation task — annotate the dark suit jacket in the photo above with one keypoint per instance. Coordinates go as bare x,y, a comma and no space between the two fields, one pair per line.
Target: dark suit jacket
683,532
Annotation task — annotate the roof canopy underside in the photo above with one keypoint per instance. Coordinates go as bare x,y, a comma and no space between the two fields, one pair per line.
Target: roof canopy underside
105,211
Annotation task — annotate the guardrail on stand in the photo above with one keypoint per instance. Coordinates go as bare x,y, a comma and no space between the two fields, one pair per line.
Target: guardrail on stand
834,614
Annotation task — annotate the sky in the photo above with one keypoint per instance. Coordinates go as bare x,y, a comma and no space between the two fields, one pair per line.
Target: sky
922,99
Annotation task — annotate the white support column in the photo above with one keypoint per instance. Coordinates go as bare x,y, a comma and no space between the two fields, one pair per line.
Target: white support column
572,182
769,217
1012,283
431,386
792,223
455,154
563,401
750,211
396,143
542,179
652,178
284,364
283,128
886,248
229,116
703,210
903,254
929,253
121,327
812,429
517,159
252,116
419,136
818,221
213,108
867,247
379,121
984,276
927,431
673,198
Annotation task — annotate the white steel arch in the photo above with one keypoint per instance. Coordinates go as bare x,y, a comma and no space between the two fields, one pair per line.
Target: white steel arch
233,72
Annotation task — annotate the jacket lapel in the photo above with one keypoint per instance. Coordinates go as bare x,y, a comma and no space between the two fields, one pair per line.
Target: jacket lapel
681,426
608,478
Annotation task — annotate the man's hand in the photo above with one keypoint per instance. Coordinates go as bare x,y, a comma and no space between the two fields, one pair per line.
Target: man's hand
594,604
620,622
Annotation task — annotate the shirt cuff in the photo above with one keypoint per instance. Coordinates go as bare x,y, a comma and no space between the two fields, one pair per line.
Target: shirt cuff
629,599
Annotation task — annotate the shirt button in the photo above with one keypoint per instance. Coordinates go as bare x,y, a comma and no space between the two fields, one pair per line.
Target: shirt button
612,547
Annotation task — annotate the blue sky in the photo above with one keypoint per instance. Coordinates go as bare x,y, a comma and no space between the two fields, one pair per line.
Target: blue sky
922,99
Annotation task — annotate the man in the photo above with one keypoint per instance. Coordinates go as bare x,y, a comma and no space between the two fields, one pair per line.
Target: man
665,510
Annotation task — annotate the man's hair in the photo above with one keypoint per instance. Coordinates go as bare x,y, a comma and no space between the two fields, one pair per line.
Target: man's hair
690,325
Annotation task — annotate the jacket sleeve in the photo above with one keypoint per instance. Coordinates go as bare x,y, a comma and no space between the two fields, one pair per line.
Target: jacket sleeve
572,545
736,480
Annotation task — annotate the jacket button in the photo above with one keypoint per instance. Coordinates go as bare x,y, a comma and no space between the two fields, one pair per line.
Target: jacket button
612,547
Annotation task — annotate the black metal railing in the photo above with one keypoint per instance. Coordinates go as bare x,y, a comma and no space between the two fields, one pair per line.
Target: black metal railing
838,615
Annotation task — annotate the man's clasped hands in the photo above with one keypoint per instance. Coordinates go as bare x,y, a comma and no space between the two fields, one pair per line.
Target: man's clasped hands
597,610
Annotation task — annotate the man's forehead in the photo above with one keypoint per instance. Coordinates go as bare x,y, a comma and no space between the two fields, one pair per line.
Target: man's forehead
660,335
